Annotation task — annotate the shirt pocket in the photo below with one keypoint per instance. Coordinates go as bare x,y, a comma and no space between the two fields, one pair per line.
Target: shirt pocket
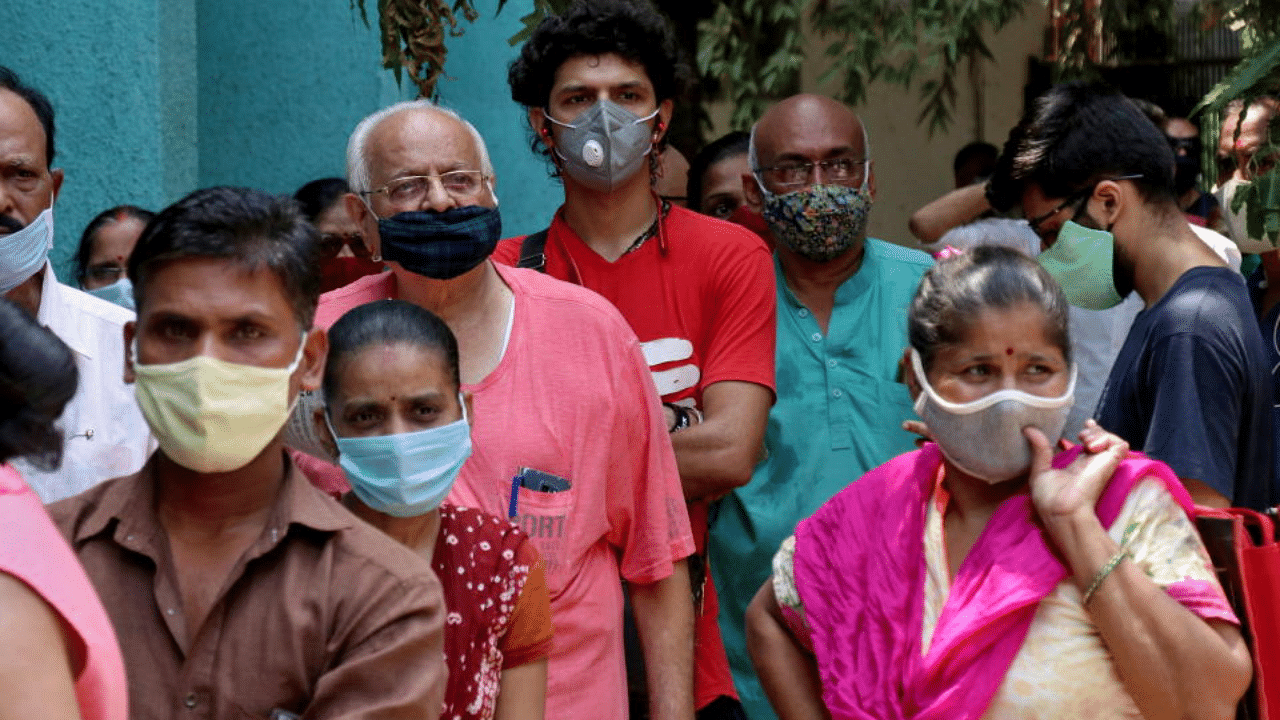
547,518
875,411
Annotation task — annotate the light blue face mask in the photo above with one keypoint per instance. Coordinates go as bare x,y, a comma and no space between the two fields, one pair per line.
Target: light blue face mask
24,252
408,474
119,292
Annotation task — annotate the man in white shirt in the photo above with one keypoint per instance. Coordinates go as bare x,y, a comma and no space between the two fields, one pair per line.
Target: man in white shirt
105,434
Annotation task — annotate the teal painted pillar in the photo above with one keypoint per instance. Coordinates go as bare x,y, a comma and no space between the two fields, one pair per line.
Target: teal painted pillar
282,84
119,73
476,86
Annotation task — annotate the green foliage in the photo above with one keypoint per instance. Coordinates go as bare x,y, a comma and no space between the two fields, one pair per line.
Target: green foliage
755,47
1257,74
541,9
413,33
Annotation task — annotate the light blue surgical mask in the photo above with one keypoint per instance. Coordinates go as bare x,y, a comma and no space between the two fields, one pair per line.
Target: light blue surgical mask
24,252
408,474
119,292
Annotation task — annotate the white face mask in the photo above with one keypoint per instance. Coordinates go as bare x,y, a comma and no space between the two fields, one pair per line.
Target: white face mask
984,437
23,253
1237,229
211,415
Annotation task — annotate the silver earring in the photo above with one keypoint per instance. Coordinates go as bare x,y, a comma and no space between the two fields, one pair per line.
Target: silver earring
375,257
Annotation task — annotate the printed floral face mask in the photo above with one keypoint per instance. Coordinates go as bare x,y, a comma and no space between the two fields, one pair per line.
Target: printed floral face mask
820,222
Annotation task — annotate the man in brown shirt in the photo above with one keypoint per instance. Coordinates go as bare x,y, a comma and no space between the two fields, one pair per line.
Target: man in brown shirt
237,589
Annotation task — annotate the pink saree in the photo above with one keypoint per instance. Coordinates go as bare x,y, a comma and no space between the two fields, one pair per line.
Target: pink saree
860,570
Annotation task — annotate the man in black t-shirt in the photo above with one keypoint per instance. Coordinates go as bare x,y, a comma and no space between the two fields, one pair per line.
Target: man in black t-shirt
1191,386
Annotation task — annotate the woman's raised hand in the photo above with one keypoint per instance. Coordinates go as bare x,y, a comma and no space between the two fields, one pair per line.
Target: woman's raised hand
1063,494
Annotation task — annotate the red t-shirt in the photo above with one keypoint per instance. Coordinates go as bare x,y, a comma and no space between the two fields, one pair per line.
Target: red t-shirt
700,296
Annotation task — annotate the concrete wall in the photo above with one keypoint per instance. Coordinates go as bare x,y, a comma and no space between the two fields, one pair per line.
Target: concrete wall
155,98
282,84
477,88
913,167
100,63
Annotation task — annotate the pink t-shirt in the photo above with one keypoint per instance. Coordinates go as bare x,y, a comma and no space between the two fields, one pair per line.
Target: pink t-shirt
572,396
32,550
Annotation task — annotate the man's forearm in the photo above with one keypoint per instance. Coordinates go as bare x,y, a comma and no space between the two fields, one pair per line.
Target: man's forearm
954,209
720,453
664,621
711,464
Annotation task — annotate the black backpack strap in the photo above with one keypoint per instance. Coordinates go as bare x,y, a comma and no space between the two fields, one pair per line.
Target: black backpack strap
531,252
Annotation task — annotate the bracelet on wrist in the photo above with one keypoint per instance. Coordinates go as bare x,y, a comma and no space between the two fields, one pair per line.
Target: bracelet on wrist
1111,565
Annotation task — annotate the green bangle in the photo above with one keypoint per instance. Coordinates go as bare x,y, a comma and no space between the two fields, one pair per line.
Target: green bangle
1112,564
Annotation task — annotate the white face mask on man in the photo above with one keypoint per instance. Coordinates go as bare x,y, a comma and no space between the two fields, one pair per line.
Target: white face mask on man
24,252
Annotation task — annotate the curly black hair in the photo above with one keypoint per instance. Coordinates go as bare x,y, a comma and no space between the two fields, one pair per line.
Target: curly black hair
38,378
632,29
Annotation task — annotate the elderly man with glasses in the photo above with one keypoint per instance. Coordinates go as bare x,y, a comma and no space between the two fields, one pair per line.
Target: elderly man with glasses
569,437
842,300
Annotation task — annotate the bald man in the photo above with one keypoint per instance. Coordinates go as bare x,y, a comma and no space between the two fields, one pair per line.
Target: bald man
842,300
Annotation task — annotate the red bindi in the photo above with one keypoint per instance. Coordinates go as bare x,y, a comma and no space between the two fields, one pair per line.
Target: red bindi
1008,351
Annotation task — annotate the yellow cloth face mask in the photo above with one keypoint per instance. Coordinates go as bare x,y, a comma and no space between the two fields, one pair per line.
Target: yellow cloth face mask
210,415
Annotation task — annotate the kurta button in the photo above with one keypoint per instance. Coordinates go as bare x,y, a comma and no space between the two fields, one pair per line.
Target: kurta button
817,337
831,363
189,700
802,312
836,393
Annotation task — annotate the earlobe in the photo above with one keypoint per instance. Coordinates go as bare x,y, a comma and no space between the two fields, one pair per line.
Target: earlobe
363,215
538,121
56,176
317,348
907,373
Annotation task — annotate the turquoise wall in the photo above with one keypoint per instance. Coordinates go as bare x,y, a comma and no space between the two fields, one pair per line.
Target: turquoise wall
99,62
477,88
155,98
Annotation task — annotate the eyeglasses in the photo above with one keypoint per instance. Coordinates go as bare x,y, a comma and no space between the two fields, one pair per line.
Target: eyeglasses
791,175
1076,197
332,243
461,184
1035,222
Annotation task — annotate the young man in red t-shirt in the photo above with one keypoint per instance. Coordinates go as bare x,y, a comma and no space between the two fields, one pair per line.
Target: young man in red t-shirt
599,82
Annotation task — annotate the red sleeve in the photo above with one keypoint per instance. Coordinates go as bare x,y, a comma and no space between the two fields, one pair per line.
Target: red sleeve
508,251
529,633
744,328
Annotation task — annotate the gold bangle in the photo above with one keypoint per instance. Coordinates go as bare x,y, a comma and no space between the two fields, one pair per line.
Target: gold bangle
1112,564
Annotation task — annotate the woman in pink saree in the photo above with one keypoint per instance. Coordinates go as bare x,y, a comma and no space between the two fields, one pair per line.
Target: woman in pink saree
983,575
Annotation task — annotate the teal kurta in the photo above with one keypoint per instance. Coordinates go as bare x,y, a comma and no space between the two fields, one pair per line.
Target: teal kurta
838,414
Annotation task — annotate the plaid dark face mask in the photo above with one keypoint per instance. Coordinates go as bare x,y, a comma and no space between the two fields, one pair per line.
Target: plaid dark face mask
440,245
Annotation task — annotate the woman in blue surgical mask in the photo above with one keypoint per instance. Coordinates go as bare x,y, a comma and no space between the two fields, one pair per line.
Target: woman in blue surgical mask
994,573
401,426
104,251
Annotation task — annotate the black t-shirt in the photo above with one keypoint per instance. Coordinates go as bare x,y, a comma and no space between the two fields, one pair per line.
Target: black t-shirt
1192,387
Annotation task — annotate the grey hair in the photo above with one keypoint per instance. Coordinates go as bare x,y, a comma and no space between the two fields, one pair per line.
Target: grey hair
357,147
